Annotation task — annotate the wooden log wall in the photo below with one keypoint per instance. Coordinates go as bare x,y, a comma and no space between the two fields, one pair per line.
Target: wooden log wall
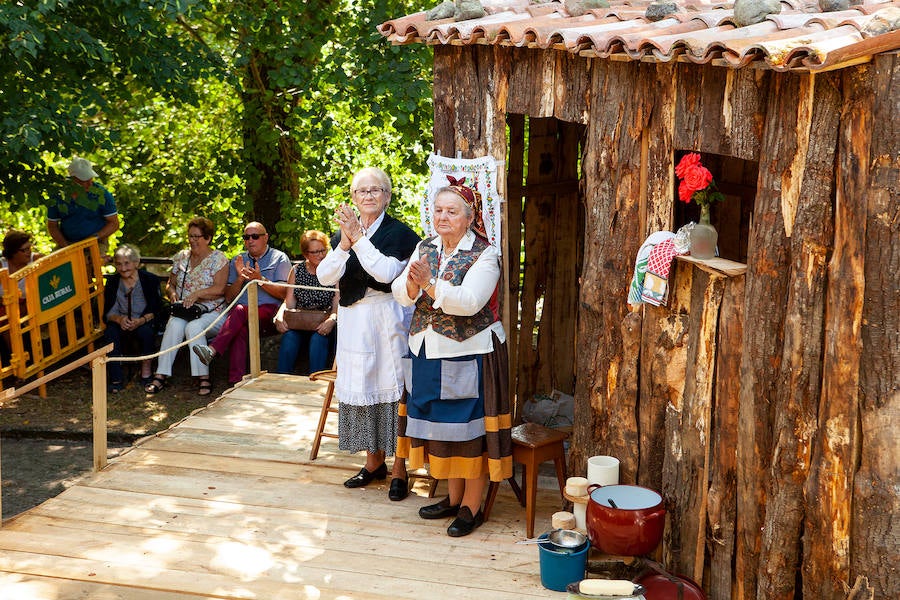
763,406
875,540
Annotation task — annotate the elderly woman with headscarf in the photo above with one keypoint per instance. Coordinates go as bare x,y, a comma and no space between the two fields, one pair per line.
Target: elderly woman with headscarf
457,416
370,250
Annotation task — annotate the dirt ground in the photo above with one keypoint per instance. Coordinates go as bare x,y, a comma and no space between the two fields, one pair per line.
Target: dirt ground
45,443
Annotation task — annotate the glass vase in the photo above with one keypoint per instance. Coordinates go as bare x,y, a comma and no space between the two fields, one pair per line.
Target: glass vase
704,237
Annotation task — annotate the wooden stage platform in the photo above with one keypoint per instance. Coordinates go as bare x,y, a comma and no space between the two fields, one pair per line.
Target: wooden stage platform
226,505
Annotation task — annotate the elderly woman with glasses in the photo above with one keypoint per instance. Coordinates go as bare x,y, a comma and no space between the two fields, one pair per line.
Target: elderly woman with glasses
317,342
131,303
198,278
370,250
457,412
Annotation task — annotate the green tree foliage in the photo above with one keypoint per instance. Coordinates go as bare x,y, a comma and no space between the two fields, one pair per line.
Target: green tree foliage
234,109
67,66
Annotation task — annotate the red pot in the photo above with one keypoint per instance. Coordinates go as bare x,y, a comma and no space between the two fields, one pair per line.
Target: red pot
663,586
625,519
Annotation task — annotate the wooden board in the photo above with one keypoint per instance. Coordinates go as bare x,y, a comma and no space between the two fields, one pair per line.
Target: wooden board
226,505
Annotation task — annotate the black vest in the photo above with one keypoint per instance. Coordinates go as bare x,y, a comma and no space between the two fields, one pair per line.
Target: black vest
393,238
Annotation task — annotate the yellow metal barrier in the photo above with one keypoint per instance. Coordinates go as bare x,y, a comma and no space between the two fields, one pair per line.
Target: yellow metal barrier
63,309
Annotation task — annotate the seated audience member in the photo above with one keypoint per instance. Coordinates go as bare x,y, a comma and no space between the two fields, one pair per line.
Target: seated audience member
17,253
262,263
198,278
315,343
131,302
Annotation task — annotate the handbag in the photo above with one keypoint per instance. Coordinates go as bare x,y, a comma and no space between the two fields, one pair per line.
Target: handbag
178,309
188,313
304,319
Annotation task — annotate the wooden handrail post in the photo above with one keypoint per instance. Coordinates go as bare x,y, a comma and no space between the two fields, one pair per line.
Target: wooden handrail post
253,328
98,380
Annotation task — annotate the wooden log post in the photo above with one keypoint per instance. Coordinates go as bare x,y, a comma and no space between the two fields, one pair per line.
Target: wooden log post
253,329
515,190
827,528
722,496
99,409
663,331
796,399
686,465
766,288
612,176
875,541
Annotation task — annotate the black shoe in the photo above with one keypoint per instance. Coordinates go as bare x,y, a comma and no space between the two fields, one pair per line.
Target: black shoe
465,523
364,478
399,488
440,510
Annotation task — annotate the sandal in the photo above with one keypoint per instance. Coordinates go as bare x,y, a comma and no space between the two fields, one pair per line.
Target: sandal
157,385
115,387
205,387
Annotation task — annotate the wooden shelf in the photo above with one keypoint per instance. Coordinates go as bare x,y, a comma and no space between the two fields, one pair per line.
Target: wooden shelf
718,266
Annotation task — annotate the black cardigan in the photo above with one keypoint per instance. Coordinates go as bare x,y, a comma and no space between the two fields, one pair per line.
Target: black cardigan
393,238
149,284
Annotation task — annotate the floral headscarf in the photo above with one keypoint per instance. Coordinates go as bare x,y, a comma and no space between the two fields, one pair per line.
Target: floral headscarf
473,199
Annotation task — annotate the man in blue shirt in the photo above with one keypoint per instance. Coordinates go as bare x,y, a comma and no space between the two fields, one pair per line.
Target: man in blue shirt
260,262
89,210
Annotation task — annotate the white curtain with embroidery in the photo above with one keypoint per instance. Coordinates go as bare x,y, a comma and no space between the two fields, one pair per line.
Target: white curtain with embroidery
480,174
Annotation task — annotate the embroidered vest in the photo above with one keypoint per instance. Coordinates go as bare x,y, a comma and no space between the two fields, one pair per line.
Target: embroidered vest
454,327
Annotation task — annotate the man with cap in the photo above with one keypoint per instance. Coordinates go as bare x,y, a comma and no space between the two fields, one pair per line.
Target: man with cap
88,210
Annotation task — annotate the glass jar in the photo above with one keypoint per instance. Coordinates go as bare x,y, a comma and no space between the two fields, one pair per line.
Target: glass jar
704,237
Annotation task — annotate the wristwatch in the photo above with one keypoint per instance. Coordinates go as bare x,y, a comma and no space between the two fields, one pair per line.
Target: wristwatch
431,282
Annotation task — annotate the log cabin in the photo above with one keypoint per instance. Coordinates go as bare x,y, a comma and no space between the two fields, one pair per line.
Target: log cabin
762,401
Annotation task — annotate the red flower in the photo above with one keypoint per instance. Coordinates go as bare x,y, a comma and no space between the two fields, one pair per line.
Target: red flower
687,161
685,193
697,178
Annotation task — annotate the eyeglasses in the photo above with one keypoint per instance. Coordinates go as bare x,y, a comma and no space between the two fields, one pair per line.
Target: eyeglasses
197,237
322,251
255,236
368,191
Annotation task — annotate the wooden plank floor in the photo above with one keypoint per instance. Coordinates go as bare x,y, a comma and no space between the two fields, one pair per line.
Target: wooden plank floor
226,505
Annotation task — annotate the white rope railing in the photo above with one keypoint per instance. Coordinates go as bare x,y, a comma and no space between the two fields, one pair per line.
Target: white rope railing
221,316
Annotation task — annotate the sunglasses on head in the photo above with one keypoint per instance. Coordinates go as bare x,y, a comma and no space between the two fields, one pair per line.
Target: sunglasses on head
255,236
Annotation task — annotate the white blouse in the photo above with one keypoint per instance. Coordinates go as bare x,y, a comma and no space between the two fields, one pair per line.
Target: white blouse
466,299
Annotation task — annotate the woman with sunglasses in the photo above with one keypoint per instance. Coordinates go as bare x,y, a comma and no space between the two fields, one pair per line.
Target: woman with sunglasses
369,251
317,343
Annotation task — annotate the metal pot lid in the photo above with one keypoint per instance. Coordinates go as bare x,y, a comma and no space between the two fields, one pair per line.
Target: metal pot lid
626,497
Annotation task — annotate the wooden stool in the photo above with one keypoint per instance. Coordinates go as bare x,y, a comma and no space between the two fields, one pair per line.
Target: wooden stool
328,375
532,445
